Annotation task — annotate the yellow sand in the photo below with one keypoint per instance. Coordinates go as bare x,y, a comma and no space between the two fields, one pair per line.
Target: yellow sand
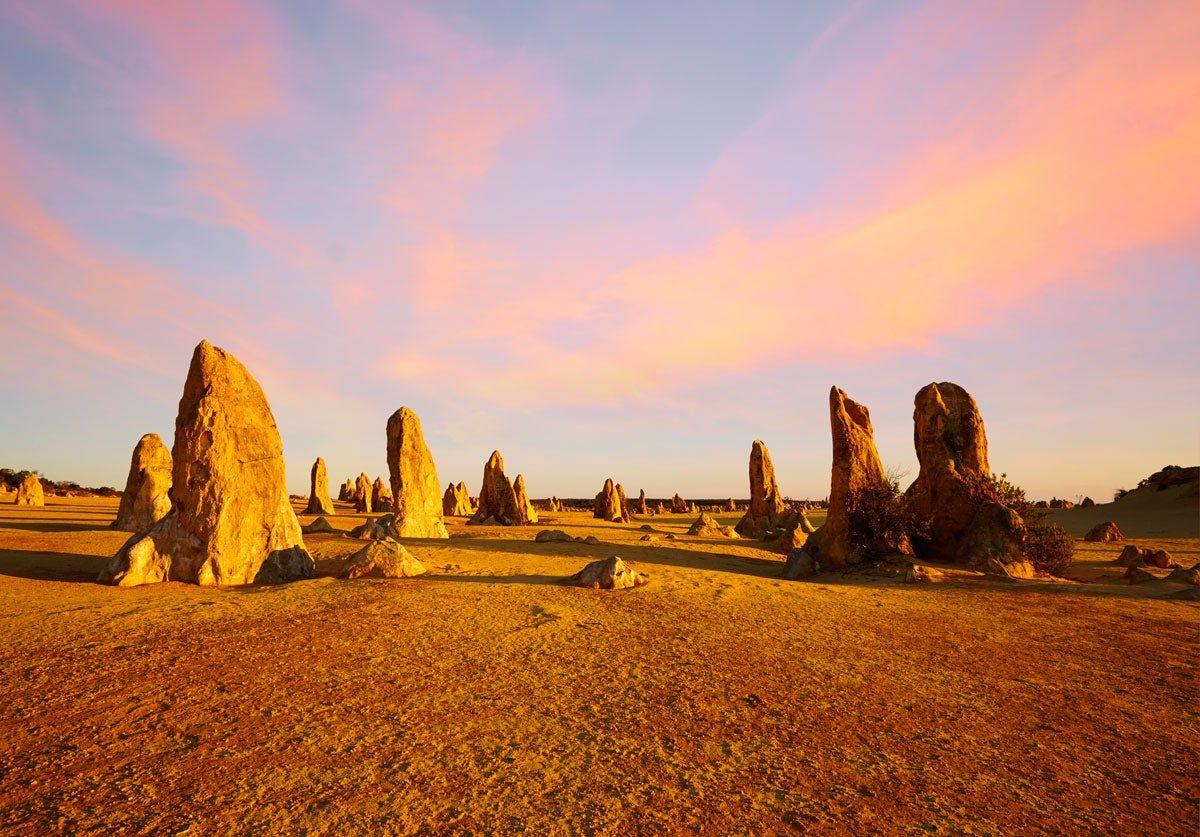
488,697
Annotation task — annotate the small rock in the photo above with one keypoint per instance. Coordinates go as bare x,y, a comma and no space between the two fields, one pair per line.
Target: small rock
608,574
920,574
382,559
1106,532
320,525
552,536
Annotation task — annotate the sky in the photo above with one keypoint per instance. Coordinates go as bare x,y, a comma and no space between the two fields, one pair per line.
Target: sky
608,239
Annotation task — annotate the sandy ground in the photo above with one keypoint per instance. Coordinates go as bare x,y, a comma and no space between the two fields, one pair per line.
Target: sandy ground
487,697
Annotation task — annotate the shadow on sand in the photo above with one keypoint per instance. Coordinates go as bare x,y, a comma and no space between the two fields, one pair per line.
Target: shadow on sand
51,566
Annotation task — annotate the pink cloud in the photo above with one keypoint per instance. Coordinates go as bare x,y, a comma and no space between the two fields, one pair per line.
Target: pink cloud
1097,155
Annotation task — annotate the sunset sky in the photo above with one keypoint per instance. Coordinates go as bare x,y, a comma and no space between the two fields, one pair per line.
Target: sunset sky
618,239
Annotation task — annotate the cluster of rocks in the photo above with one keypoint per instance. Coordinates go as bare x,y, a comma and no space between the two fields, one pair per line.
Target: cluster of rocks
456,501
231,521
611,503
706,527
967,524
559,536
499,502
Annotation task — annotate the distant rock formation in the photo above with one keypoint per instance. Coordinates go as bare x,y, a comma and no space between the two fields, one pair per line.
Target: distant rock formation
232,521
362,494
856,467
320,526
554,505
1087,503
456,501
679,505
146,499
416,489
608,503
626,510
966,523
318,492
381,495
382,559
526,513
29,492
497,497
640,507
1106,532
706,527
608,574
346,494
767,507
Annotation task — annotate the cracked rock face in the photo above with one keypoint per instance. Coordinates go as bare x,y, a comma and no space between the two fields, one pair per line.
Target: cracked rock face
966,523
146,499
231,520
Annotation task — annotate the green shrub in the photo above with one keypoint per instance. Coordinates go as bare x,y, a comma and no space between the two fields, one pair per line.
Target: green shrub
1049,547
880,518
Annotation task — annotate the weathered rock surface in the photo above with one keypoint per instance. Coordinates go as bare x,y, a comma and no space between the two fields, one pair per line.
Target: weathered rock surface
231,521
1136,556
706,527
608,503
623,501
679,505
856,467
1190,576
552,536
318,492
362,494
456,502
346,494
29,492
966,523
381,495
497,497
640,507
416,489
377,529
920,574
318,526
526,513
146,499
1106,532
767,506
382,559
608,574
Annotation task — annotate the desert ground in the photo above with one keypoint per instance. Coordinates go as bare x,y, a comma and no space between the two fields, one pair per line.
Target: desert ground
488,697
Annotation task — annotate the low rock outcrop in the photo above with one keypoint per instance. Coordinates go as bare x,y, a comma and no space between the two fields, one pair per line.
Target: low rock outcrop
608,574
382,559
706,527
1106,532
